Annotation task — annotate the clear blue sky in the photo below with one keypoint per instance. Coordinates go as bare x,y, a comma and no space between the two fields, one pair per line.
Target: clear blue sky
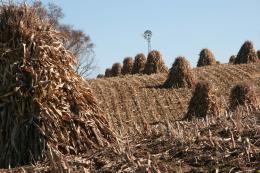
180,27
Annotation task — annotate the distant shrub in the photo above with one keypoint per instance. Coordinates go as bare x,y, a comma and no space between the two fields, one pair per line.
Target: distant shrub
232,59
139,63
180,74
246,54
127,66
203,102
116,69
242,95
100,76
108,72
206,58
154,63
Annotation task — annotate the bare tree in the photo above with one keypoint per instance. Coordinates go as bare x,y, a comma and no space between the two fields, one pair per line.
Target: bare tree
76,41
82,47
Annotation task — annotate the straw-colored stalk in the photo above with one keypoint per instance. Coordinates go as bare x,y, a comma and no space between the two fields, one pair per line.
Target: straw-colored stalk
45,105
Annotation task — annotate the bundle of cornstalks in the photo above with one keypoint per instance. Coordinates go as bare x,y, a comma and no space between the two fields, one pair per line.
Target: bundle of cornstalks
100,76
180,75
154,63
243,95
206,58
246,54
116,70
232,59
127,66
44,105
108,72
203,102
139,63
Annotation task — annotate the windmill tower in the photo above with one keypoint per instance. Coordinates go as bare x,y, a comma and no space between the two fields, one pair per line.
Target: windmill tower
148,36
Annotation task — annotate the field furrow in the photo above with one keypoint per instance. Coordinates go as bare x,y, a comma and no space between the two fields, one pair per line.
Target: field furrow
132,100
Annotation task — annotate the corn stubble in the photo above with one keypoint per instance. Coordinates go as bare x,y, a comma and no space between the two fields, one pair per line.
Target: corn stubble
217,144
45,106
158,139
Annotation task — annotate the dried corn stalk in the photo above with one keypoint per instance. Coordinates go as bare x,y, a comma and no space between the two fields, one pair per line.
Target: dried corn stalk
43,102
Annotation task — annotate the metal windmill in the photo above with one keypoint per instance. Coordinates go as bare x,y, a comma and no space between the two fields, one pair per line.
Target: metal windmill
148,35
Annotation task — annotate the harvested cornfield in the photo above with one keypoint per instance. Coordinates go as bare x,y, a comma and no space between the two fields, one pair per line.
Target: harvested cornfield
211,145
46,107
139,64
154,63
204,102
243,95
206,58
180,75
131,99
150,119
127,66
116,70
246,54
108,72
50,121
232,59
